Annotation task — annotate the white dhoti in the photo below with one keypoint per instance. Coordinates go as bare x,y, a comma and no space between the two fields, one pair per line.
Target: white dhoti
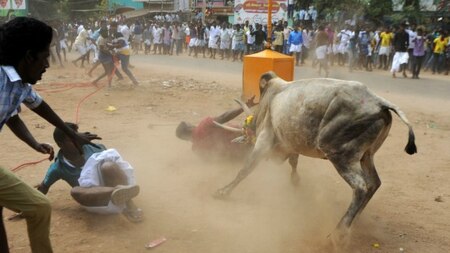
399,59
213,42
321,52
224,44
91,176
81,49
342,48
295,48
193,42
63,44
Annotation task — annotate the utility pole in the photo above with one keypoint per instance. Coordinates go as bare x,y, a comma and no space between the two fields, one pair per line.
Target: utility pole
203,11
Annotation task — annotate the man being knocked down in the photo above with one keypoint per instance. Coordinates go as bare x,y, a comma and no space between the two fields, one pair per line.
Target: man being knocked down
102,182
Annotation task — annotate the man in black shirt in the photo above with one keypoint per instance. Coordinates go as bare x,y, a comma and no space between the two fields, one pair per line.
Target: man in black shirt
401,44
260,37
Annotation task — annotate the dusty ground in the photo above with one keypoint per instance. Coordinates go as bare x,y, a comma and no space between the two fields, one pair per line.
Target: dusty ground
265,213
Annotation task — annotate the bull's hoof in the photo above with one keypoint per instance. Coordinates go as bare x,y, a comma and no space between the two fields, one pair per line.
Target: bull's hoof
221,194
340,238
295,179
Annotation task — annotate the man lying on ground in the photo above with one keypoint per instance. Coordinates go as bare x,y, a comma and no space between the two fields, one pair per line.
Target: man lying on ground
102,182
211,140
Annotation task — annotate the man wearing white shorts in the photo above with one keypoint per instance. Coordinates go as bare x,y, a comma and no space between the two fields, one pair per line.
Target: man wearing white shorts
214,35
225,41
296,41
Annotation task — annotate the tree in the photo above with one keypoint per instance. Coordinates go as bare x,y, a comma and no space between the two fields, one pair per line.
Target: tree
378,9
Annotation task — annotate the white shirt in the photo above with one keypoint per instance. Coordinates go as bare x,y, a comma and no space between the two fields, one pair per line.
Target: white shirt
412,36
125,32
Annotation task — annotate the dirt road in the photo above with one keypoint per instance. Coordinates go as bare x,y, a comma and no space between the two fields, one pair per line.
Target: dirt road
265,214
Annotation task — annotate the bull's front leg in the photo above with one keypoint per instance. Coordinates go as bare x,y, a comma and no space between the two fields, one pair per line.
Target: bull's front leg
263,145
293,161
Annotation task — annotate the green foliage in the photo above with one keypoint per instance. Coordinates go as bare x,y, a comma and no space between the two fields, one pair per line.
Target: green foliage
378,9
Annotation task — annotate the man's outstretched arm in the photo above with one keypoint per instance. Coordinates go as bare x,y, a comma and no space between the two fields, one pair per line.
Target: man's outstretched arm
79,139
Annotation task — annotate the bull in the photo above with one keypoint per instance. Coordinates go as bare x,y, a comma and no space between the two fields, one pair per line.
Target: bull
341,121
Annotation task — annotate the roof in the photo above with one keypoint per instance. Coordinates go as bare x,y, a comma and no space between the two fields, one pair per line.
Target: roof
269,54
136,13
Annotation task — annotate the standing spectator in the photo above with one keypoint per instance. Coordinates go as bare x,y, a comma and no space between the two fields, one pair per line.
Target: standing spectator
308,36
192,40
322,43
385,48
62,32
260,37
214,36
418,53
295,43
278,39
167,37
225,41
157,39
364,44
352,50
447,55
147,37
343,38
250,40
238,45
412,35
401,44
286,32
330,51
439,51
137,37
201,42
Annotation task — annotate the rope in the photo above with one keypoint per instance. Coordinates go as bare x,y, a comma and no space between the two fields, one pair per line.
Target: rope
23,165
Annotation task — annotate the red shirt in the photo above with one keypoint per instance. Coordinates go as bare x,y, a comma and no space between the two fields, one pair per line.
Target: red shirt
207,138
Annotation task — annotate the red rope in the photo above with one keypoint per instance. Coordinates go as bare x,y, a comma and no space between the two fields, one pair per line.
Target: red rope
23,165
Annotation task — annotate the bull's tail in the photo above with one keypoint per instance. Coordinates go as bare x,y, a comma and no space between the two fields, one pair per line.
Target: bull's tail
411,146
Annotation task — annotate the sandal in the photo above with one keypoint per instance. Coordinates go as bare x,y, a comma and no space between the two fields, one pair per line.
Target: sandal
123,193
134,215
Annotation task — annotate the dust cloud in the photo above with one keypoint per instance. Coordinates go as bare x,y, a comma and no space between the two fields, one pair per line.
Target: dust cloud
265,213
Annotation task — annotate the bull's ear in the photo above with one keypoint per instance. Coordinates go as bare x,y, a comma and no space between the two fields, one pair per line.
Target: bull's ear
265,78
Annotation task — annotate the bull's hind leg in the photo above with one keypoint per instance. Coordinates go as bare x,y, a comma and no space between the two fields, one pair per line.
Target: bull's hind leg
373,181
293,161
263,145
353,174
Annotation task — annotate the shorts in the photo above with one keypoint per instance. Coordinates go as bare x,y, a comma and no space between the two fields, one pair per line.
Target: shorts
63,44
321,52
295,48
239,46
384,50
192,42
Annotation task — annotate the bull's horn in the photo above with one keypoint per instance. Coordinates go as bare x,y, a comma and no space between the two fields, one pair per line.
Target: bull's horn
232,129
244,107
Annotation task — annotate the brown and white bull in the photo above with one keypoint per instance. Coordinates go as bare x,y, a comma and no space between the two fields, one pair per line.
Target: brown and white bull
338,120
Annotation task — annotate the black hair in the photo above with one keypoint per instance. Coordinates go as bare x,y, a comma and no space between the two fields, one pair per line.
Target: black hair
181,129
59,136
20,35
104,33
